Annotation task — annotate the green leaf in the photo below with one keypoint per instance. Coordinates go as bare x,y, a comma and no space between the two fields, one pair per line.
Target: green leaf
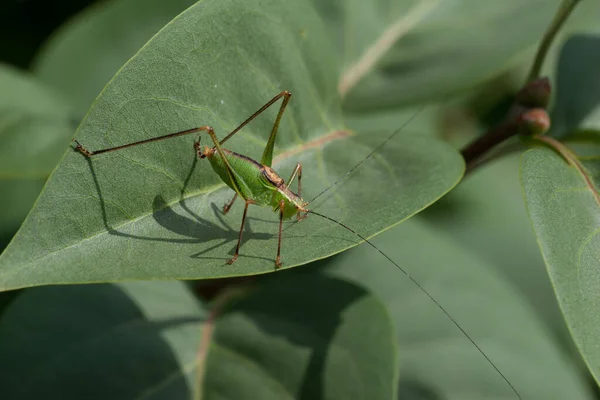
34,130
312,337
88,50
394,51
149,339
436,358
153,212
565,212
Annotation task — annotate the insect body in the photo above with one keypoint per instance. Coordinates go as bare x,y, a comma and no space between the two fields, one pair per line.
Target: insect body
255,182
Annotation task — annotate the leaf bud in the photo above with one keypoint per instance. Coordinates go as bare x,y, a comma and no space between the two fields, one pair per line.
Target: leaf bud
533,122
535,94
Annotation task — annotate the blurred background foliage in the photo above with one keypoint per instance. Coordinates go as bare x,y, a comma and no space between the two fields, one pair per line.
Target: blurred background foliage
32,21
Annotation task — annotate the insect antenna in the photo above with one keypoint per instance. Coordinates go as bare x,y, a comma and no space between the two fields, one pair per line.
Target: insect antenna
428,295
375,150
413,280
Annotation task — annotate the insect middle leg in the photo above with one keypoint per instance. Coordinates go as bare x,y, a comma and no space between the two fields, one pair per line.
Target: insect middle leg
278,258
237,248
227,206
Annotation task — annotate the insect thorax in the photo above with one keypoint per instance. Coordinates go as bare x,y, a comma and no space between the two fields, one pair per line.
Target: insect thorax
257,183
292,202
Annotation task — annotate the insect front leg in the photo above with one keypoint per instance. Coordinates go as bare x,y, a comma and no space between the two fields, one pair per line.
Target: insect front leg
89,153
296,172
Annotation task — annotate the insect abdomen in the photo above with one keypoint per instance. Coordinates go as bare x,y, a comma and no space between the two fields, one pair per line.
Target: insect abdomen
246,173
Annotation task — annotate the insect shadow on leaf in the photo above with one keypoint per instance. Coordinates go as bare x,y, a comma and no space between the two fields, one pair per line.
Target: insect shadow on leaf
199,229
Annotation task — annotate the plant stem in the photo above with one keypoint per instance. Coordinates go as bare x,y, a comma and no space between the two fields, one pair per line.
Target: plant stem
559,19
496,135
498,152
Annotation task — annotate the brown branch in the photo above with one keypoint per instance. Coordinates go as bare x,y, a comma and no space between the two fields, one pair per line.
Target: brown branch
526,116
498,134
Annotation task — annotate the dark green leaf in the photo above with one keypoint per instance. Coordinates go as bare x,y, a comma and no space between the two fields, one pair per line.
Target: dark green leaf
578,86
306,338
435,356
154,211
565,211
135,340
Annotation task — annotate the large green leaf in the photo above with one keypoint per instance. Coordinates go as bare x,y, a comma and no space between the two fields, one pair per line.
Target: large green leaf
34,130
147,340
394,51
87,51
153,211
435,356
564,208
562,199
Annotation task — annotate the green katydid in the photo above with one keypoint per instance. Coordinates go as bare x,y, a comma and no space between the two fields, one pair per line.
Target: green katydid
257,183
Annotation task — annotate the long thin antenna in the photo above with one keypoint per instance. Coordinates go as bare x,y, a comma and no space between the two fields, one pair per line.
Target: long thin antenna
341,178
428,295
